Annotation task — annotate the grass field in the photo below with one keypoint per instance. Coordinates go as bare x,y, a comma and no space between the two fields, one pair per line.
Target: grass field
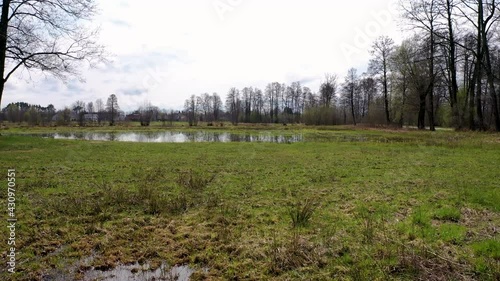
344,205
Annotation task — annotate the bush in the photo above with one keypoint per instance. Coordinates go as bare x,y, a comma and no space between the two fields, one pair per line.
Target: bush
319,116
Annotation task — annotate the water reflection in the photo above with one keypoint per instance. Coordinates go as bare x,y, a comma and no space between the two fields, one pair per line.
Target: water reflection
141,273
176,137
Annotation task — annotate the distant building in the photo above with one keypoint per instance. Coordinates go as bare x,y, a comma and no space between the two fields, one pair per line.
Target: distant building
121,116
91,117
135,117
60,116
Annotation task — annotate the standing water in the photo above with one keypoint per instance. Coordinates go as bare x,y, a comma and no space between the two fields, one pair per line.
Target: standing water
176,137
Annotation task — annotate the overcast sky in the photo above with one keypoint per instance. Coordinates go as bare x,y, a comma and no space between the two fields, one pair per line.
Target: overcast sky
164,51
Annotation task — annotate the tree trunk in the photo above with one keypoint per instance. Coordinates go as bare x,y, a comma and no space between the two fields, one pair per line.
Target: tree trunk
472,99
386,95
479,67
479,103
432,123
491,80
431,81
421,112
494,100
453,67
474,89
4,24
403,102
352,107
468,85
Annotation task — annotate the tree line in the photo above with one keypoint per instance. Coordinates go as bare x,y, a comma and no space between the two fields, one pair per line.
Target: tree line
446,74
294,103
80,111
88,113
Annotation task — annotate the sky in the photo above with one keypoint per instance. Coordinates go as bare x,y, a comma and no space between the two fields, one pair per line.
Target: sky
164,51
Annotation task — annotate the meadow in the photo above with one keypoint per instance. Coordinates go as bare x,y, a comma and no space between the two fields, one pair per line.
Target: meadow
346,204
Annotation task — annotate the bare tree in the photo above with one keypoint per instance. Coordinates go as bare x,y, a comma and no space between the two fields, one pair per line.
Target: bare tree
64,116
146,111
488,14
90,108
448,9
216,106
401,70
483,17
79,106
99,107
233,105
206,106
424,14
350,88
475,89
310,99
296,100
328,90
382,49
273,92
48,35
191,107
257,106
79,109
368,88
246,103
112,108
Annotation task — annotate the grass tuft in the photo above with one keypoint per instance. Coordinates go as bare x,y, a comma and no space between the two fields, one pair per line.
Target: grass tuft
294,254
302,212
447,214
194,181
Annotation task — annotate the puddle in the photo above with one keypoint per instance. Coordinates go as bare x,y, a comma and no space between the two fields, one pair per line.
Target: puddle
82,270
220,136
175,137
136,272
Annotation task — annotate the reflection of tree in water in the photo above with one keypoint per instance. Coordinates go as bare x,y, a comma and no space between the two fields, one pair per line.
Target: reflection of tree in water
248,138
149,137
79,136
190,136
45,136
206,137
170,137
65,135
217,138
234,138
154,135
111,137
141,137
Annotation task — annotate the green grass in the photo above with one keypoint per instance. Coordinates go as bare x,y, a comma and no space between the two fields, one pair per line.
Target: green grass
448,214
387,205
488,248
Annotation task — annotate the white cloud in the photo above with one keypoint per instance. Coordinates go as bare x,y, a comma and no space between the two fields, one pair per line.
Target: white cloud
165,51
